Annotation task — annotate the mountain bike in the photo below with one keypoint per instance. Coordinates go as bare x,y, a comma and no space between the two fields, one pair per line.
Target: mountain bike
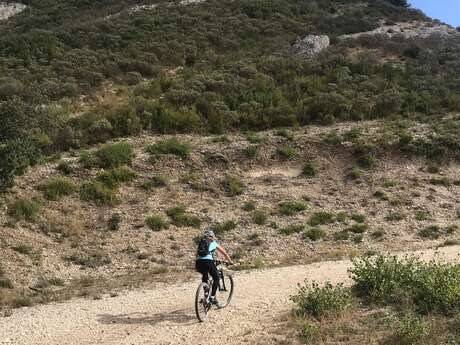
224,294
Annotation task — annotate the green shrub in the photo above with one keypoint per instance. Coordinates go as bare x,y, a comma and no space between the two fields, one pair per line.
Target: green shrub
290,208
57,187
451,229
292,229
93,259
254,138
441,181
380,195
220,229
366,160
321,218
23,249
358,218
283,132
341,217
171,146
252,151
179,217
395,216
99,193
248,206
421,215
322,301
314,234
309,170
430,287
114,222
389,184
156,222
358,228
88,160
355,173
21,301
223,139
342,235
114,177
433,169
286,152
115,155
23,209
259,217
159,181
6,283
333,138
431,232
378,234
233,186
410,330
64,167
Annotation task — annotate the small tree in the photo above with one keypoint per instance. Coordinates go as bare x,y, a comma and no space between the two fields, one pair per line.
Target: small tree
400,3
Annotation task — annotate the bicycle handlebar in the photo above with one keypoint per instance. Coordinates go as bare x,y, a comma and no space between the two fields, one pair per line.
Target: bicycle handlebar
219,262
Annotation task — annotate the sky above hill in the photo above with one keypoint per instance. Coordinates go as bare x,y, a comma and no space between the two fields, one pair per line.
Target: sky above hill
447,11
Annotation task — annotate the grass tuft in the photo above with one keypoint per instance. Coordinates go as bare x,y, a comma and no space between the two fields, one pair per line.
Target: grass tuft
156,222
23,209
171,146
115,155
322,301
179,217
321,218
290,208
57,187
98,193
233,186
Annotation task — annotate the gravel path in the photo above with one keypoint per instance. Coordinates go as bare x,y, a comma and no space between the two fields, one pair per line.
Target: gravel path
165,315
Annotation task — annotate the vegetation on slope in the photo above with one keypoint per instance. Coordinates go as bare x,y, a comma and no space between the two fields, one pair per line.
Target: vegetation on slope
419,301
212,67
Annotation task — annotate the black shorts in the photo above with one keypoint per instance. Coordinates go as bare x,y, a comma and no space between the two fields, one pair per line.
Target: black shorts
206,268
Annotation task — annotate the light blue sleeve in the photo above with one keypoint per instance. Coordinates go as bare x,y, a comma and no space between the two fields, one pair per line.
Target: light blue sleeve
213,246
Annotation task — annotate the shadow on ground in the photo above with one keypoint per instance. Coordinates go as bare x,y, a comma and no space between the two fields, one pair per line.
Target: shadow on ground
182,317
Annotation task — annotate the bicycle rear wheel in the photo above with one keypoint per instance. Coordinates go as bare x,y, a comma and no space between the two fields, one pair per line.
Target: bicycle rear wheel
226,296
201,302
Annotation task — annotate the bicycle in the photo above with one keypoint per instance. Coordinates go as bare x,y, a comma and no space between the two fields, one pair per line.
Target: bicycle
203,294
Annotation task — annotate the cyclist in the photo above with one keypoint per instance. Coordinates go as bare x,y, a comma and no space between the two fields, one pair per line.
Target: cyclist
205,261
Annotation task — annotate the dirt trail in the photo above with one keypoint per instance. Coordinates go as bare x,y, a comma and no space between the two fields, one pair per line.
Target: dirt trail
165,315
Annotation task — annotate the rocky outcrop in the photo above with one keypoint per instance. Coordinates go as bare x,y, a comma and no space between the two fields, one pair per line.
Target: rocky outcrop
189,2
409,30
9,10
311,45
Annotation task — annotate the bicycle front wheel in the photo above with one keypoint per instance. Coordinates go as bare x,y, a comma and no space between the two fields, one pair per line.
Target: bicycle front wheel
226,294
201,302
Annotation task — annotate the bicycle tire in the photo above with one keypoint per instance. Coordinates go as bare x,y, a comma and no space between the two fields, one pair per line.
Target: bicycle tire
201,309
228,281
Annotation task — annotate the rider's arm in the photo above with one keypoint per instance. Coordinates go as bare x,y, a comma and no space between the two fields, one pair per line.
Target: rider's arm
224,253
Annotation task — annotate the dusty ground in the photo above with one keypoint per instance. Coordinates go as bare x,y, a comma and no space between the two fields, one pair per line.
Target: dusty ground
80,228
164,314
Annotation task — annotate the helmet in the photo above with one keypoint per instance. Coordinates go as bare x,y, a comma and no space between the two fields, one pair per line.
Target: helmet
208,233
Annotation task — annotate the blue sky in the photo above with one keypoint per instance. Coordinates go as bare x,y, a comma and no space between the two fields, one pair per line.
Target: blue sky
447,11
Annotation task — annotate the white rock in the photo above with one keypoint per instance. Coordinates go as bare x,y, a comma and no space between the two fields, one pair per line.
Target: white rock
408,30
311,45
8,10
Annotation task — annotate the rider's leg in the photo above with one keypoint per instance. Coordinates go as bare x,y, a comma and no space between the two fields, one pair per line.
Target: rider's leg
202,267
215,277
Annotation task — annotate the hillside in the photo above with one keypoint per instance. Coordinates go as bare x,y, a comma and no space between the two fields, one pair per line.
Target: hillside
213,66
127,132
274,198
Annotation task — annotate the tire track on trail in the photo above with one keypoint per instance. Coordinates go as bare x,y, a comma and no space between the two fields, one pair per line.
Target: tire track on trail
164,314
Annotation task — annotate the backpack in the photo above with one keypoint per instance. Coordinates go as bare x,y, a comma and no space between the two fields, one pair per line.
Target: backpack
203,248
